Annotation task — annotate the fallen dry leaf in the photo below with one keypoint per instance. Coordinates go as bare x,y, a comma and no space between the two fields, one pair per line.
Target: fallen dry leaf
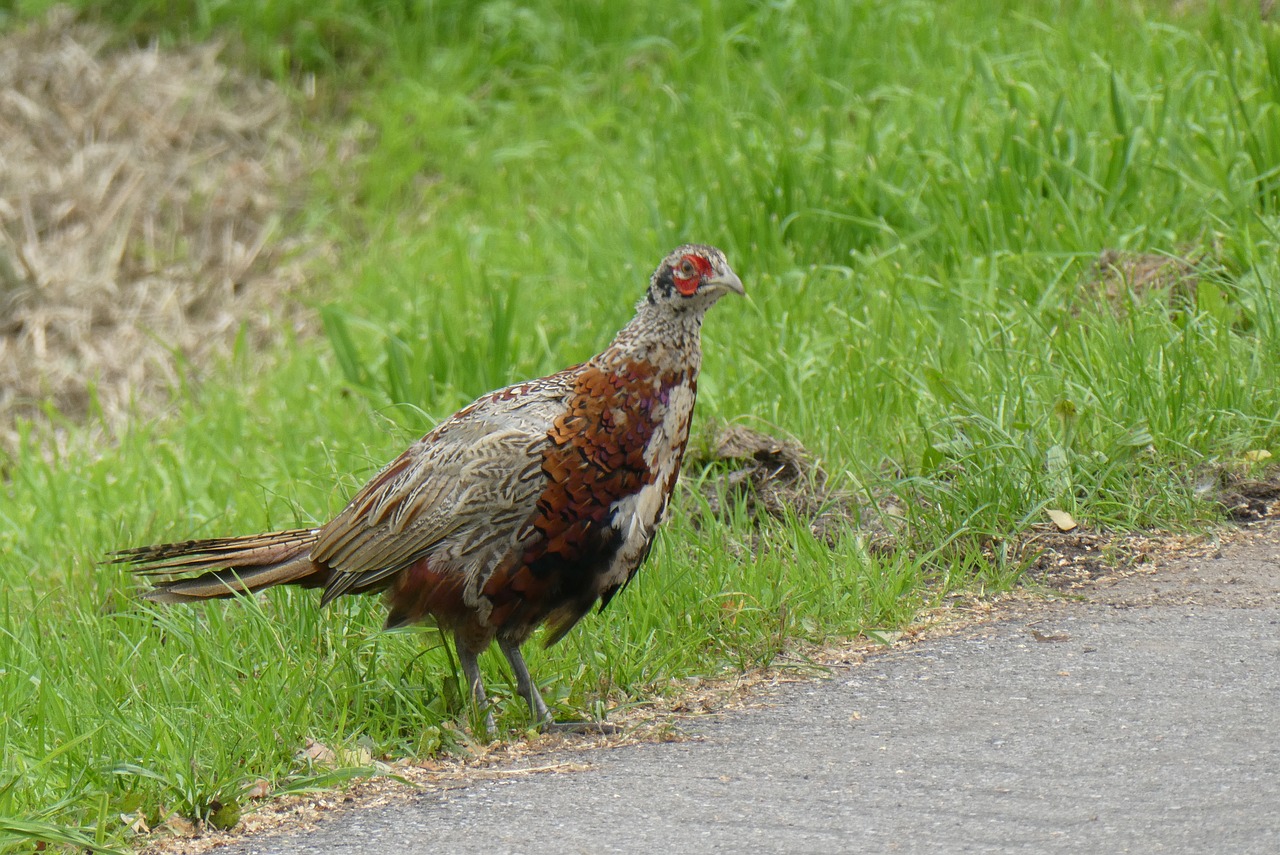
317,752
179,826
259,789
323,755
1063,520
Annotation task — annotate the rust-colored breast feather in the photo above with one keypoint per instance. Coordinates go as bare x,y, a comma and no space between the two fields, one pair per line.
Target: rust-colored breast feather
596,458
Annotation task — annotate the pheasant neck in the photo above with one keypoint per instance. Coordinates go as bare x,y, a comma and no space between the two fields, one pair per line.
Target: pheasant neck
659,336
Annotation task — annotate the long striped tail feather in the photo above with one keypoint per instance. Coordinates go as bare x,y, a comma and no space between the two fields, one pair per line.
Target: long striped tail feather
227,566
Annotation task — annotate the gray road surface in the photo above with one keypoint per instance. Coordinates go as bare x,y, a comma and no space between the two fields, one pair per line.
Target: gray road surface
1146,720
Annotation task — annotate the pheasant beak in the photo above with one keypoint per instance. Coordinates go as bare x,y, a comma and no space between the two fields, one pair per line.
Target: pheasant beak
727,281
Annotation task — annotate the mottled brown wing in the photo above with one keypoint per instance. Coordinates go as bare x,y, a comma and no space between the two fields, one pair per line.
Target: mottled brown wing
459,494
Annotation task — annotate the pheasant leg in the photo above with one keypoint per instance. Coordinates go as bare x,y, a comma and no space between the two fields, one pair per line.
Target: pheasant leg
537,708
470,662
524,684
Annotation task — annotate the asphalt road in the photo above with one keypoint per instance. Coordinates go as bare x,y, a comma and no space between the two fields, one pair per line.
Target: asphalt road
1145,720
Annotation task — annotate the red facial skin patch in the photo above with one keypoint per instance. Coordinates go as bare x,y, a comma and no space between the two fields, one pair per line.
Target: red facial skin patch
687,286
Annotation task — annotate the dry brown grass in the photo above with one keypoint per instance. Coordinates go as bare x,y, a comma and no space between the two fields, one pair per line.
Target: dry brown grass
145,200
1120,276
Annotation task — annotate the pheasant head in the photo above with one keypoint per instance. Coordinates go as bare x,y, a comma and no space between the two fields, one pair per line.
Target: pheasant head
692,278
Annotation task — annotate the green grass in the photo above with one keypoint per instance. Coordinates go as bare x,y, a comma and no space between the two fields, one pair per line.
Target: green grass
915,195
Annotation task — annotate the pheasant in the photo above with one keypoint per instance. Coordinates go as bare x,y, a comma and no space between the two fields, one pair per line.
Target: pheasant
525,508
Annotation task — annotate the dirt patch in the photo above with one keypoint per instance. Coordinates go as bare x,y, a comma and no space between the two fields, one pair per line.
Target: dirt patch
1119,274
1194,281
1073,561
1069,562
1250,500
1238,569
145,199
771,479
1118,278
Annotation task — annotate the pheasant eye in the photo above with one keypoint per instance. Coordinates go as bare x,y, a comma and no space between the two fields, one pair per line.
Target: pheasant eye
687,269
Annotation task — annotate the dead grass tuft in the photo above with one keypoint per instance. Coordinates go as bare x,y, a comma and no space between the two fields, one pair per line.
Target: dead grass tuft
1120,276
144,196
770,478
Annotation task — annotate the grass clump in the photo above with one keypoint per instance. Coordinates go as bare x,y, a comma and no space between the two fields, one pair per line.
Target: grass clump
917,196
